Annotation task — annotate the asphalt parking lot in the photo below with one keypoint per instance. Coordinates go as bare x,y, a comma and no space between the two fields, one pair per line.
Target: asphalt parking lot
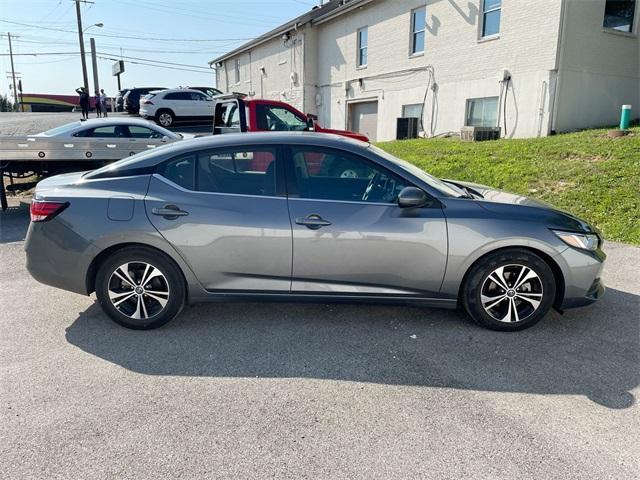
314,391
311,391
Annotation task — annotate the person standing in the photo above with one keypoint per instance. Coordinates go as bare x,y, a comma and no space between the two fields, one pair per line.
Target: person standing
84,102
96,101
103,102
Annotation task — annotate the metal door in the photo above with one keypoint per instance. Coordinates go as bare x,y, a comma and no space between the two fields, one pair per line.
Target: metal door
363,118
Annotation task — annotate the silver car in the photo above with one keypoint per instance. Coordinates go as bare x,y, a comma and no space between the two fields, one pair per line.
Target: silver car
273,216
112,128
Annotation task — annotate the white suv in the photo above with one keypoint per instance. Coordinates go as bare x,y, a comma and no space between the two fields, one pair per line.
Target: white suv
167,106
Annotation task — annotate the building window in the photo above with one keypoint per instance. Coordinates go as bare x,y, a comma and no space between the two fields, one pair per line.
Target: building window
363,46
618,15
418,26
237,70
491,17
412,111
482,112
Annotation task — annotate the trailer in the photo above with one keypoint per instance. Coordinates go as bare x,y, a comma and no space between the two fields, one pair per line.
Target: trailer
46,156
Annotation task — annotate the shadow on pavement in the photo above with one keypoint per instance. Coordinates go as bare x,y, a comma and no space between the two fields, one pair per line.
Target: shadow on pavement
14,223
592,351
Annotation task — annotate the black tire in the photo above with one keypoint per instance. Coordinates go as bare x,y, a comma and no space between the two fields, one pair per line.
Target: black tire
543,288
171,280
165,118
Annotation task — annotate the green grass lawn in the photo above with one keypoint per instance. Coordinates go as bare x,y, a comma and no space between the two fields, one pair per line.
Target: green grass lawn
586,173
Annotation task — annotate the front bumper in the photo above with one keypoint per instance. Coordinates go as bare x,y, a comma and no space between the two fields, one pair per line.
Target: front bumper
582,276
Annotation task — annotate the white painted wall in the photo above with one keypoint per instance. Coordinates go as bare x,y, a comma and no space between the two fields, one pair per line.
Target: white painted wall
464,66
599,69
279,60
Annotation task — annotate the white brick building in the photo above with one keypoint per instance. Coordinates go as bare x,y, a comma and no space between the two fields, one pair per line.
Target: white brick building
360,64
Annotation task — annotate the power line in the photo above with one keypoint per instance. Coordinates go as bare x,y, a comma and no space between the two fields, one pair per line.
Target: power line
130,37
40,54
115,47
207,72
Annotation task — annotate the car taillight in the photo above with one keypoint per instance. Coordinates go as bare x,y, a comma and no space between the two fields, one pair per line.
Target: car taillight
41,211
147,102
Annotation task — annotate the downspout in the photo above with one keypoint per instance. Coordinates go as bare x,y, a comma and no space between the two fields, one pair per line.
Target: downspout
558,66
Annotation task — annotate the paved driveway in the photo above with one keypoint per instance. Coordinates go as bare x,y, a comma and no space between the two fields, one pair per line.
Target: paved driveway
314,391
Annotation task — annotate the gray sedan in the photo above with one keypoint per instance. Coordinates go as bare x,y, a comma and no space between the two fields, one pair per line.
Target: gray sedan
271,216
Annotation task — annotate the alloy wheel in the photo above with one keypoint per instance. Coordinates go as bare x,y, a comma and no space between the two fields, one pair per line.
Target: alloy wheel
165,119
138,290
511,293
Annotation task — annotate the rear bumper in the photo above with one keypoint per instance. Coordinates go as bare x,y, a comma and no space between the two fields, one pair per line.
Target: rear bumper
58,256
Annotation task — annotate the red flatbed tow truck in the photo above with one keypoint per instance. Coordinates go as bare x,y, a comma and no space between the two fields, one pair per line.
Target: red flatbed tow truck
238,113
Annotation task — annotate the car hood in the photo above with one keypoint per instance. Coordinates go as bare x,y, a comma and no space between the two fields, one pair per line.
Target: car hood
498,196
501,202
343,133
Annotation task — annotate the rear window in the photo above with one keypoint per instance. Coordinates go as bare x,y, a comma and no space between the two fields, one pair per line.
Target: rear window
62,129
235,171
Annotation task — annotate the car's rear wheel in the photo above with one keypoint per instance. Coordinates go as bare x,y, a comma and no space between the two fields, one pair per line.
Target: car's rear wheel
165,118
140,288
509,290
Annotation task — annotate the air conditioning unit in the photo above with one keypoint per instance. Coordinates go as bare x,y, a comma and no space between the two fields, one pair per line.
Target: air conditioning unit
479,134
407,127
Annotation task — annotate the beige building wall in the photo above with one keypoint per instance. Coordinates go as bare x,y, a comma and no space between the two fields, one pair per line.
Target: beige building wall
592,70
461,64
599,69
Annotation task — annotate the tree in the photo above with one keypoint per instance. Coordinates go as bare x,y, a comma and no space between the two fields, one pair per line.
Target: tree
5,104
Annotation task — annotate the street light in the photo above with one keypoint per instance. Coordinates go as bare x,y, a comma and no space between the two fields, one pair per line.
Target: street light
99,25
81,41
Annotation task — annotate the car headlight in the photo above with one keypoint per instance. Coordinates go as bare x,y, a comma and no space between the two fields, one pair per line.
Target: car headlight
583,241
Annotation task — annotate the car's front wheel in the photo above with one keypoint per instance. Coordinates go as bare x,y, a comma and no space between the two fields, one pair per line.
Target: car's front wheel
165,118
140,288
509,290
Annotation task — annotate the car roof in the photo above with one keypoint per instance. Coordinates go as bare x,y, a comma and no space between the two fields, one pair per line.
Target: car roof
97,122
171,90
153,157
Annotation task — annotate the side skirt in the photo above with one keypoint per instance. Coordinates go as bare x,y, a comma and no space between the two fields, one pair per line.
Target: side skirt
226,296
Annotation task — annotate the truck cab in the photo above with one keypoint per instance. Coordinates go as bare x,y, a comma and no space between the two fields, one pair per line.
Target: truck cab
237,113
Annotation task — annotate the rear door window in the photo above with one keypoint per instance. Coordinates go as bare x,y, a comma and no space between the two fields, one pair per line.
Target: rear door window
107,131
178,96
238,171
143,132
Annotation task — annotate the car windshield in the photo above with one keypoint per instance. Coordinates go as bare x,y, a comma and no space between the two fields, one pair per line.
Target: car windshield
432,181
62,129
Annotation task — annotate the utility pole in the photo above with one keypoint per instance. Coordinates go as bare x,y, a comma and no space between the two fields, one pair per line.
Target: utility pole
13,73
94,64
81,39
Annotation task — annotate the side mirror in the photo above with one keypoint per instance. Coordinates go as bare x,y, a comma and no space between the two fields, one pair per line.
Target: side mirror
311,126
165,138
412,197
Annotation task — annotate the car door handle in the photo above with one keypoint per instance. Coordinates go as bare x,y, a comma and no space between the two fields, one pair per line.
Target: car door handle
314,222
170,212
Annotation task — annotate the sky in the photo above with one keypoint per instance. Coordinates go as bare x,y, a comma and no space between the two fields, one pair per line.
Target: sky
187,32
